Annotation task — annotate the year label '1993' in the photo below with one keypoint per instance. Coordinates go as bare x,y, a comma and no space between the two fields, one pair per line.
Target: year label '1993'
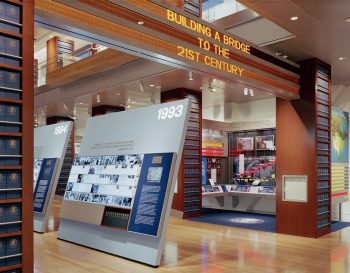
170,112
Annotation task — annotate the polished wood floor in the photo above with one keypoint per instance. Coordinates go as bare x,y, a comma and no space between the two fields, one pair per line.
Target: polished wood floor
197,247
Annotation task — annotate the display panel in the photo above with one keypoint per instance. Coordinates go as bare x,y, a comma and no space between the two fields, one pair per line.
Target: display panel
44,183
129,186
109,227
104,180
152,192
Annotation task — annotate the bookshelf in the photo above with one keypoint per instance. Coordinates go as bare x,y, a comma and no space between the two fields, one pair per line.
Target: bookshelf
68,158
16,125
188,195
323,148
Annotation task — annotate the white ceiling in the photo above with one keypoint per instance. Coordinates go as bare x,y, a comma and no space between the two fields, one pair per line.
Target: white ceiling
320,31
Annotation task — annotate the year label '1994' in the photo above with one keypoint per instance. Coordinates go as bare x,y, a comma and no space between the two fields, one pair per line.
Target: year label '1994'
170,112
61,129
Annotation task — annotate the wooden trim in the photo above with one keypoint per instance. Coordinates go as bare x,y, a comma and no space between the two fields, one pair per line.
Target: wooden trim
11,267
7,167
11,100
10,134
12,67
9,33
28,136
10,234
17,2
10,201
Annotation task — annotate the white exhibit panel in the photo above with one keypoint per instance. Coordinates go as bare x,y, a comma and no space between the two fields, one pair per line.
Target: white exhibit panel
120,189
50,144
294,188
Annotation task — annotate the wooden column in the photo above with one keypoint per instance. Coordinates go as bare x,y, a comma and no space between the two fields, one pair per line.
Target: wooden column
105,109
188,195
303,148
68,158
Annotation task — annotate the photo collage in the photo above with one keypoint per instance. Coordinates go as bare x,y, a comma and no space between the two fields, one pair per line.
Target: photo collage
104,180
37,168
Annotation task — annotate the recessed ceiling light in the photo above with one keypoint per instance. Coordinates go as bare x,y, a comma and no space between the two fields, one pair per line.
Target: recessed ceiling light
133,102
80,103
294,18
347,20
151,85
285,56
118,94
140,22
341,58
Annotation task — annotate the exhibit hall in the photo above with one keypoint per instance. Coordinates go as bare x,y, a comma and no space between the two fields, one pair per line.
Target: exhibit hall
174,136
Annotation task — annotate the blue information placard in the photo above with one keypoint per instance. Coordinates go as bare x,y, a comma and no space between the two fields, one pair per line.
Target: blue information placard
42,187
150,194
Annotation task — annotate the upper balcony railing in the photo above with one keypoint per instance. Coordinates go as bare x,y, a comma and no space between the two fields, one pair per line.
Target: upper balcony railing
62,60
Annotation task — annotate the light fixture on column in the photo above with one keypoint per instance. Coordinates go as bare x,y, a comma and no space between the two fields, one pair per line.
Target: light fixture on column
212,89
142,89
251,91
98,98
245,90
190,75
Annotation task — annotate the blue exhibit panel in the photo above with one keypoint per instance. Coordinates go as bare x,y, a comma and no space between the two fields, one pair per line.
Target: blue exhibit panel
43,185
151,194
204,170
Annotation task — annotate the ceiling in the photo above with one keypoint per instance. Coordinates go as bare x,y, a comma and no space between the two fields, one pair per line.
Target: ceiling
320,31
215,93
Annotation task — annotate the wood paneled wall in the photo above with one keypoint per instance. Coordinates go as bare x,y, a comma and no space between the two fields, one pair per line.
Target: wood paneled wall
296,140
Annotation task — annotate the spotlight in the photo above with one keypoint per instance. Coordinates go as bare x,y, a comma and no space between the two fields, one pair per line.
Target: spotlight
190,75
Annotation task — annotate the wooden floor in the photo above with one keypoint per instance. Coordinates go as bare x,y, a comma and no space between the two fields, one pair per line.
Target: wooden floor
198,247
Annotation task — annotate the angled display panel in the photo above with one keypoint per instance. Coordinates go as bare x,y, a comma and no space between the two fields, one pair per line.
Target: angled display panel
50,144
120,189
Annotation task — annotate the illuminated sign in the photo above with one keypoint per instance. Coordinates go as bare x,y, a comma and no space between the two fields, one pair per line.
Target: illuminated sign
194,55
